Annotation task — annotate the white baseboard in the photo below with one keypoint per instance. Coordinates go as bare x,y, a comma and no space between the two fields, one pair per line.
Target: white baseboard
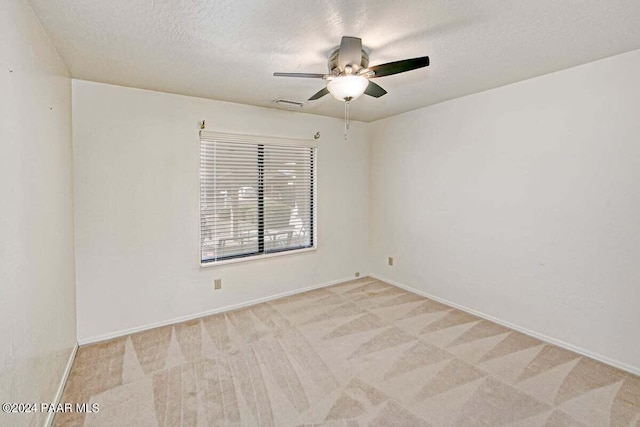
136,329
63,382
604,359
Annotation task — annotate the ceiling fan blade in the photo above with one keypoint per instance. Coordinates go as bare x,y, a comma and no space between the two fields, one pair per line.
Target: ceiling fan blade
319,94
350,52
399,66
305,75
375,90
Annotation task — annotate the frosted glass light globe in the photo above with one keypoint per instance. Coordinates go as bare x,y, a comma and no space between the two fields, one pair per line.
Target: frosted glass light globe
345,88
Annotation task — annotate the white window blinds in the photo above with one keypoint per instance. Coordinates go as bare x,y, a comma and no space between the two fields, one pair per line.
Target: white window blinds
257,195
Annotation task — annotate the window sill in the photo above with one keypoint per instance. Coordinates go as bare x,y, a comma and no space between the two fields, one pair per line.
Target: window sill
255,257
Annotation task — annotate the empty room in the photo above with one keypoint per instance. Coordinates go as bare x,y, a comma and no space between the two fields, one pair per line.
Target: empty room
320,213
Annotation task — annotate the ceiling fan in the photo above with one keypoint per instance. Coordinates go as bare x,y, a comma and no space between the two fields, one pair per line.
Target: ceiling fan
349,72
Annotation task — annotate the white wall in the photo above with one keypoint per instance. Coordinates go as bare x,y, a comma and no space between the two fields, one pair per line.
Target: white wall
37,291
136,165
522,203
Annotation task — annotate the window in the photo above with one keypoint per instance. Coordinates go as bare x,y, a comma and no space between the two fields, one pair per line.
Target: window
257,196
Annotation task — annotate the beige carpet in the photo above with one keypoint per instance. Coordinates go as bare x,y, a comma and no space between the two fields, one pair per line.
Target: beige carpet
359,353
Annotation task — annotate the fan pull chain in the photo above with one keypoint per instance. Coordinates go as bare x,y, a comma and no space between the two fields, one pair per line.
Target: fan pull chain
346,119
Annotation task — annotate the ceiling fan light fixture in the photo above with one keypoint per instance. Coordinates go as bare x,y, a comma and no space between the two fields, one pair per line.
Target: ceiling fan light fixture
347,88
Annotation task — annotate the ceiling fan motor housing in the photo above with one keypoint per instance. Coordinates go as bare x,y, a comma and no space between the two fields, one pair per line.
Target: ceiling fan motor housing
335,69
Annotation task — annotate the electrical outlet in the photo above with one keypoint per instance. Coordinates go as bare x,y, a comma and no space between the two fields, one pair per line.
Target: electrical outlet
357,274
391,261
217,284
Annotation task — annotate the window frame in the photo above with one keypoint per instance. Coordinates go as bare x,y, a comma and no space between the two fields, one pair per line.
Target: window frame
260,140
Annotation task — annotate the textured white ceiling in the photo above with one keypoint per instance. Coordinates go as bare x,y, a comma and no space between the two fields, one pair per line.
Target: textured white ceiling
229,49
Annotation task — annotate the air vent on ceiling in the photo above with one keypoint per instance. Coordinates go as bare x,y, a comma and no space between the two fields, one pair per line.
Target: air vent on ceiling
289,105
